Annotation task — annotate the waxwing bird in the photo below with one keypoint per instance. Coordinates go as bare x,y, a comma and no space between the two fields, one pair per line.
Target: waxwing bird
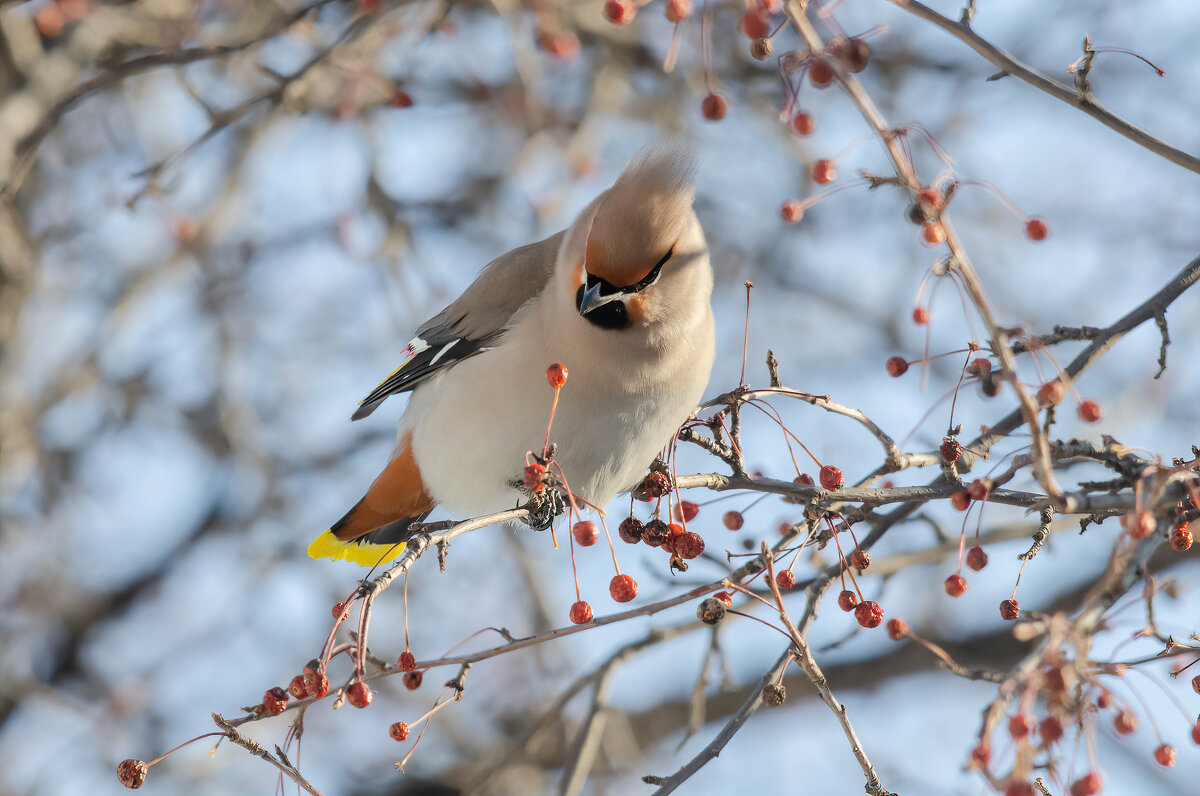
622,298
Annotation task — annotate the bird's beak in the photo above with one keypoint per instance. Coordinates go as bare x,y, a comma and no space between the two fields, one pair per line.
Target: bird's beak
591,298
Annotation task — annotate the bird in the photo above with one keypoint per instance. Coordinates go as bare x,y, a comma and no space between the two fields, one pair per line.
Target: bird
622,298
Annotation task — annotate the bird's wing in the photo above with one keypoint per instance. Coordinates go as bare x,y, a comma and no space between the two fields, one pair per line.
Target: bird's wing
474,322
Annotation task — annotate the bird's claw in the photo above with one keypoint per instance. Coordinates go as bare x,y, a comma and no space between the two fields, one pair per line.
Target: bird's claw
544,506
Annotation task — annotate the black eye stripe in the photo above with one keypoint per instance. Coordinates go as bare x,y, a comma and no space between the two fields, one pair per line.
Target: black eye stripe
607,288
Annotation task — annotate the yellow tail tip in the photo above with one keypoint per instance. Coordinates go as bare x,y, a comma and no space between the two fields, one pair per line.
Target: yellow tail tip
368,555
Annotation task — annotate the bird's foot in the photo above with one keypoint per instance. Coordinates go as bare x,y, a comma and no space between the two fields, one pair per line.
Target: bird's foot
544,506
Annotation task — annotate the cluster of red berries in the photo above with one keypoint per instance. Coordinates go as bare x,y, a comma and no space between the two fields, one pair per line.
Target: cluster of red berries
311,682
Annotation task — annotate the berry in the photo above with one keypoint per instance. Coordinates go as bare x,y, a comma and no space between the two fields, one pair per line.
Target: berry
1196,733
678,10
1018,788
803,123
1055,679
774,694
275,700
755,25
1104,699
785,579
556,375
932,233
951,449
581,613
897,629
316,684
132,773
402,99
585,532
823,171
977,558
619,12
831,478
733,520
412,680
869,614
955,585
1019,726
1140,524
1165,755
980,757
847,600
725,597
687,545
791,211
1196,684
622,588
398,731
1050,393
1125,722
979,488
820,73
1036,229
630,530
407,662
854,54
860,560
1010,610
804,479
358,694
960,500
1181,537
1088,785
339,611
929,197
563,45
897,367
686,510
710,611
655,533
980,367
656,484
713,107
1051,729
920,316
534,477
761,49
1089,411
297,688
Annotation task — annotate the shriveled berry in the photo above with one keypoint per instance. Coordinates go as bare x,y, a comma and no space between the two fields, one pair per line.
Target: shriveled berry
678,10
1019,726
803,123
951,449
1056,679
755,24
733,520
955,585
1089,411
897,367
960,500
297,688
407,662
981,755
774,694
1140,524
412,680
1181,537
979,488
401,99
1051,729
725,597
1196,733
622,588
804,479
1052,392
977,558
1036,229
823,171
630,530
860,560
791,211
869,614
710,611
1019,788
854,54
656,533
831,478
1104,699
398,731
619,12
847,600
1087,785
713,107
275,700
1196,684
585,532
897,629
1125,722
656,484
316,684
132,773
686,510
920,316
820,73
340,612
1010,610
556,375
534,477
932,233
785,579
581,613
358,694
687,545
761,49
980,367
1165,755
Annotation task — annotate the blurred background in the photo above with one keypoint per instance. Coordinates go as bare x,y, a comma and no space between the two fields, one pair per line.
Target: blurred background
221,221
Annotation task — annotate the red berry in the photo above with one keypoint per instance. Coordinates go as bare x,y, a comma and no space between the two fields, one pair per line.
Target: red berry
755,25
358,694
930,197
619,12
820,73
980,367
1019,726
897,629
803,123
1125,722
785,579
1036,229
398,731
630,530
132,773
412,680
977,558
316,684
1165,755
686,510
804,479
1089,411
1088,785
1139,524
656,484
563,45
1051,729
1051,392
713,107
1104,699
979,488
897,367
860,560
401,99
1181,537
869,614
1196,684
791,211
556,375
275,700
339,611
407,662
955,585
920,316
585,532
534,477
1196,733
622,588
932,233
951,449
980,757
831,478
847,600
581,613
297,688
725,597
656,533
1019,789
733,520
1055,678
678,10
687,544
1009,610
823,171
960,500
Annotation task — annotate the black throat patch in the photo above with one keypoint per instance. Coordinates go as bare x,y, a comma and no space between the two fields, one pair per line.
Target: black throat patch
612,315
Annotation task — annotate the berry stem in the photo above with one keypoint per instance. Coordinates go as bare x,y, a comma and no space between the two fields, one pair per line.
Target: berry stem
745,335
185,743
550,422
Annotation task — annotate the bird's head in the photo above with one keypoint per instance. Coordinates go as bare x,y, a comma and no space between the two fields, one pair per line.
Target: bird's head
632,253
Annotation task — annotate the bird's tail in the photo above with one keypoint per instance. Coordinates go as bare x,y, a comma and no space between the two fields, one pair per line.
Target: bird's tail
374,547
